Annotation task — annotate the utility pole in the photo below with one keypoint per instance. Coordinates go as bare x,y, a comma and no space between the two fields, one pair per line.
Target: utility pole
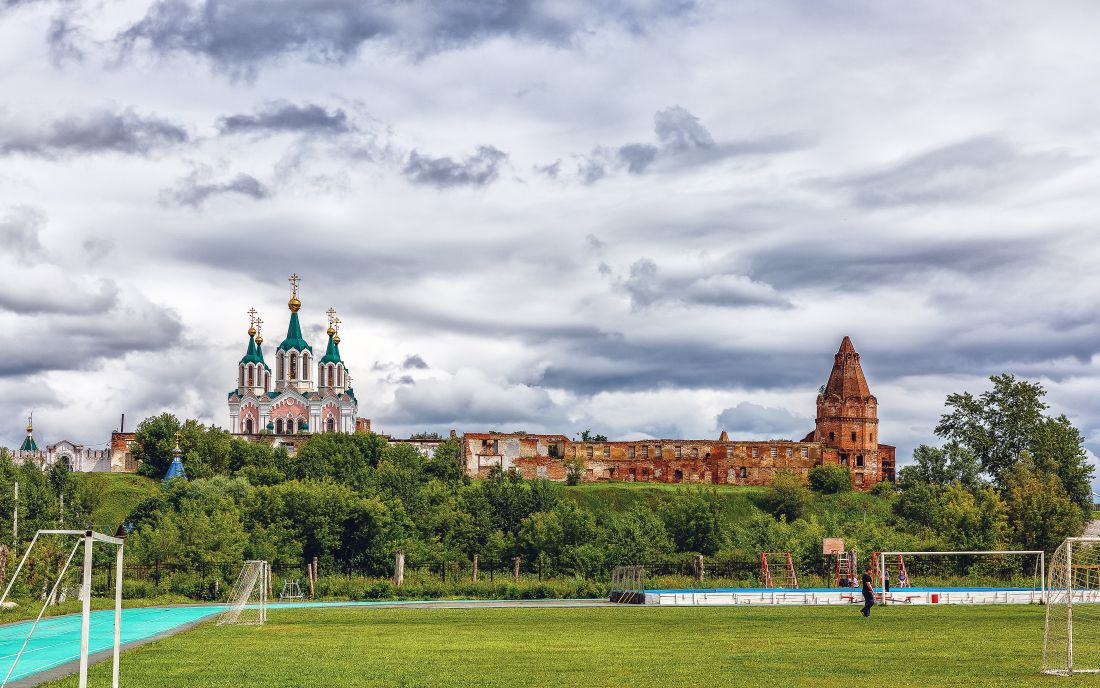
15,518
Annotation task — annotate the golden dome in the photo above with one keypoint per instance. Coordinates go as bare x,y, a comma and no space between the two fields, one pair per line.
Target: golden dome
252,332
330,331
260,339
336,339
30,428
293,304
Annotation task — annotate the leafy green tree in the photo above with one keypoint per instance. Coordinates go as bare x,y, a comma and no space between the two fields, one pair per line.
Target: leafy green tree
953,463
587,436
693,520
786,496
1040,512
972,520
637,536
446,462
996,425
1057,447
155,439
574,469
830,479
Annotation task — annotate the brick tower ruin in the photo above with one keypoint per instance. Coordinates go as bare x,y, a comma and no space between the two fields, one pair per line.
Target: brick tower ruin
847,421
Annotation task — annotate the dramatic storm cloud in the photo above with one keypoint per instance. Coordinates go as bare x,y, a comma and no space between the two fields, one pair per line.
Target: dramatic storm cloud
638,217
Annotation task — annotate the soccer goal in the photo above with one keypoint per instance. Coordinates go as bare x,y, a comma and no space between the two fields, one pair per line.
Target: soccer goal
1014,575
1071,640
628,584
777,570
248,599
87,538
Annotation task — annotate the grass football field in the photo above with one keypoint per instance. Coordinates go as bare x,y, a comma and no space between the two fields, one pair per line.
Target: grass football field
604,646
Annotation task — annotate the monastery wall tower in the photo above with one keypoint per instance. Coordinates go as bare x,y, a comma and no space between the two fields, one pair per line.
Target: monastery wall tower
847,421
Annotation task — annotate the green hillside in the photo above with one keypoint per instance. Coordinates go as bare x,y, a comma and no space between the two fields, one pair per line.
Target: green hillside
739,503
113,496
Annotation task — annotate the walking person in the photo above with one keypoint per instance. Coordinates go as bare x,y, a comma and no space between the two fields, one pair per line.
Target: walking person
868,594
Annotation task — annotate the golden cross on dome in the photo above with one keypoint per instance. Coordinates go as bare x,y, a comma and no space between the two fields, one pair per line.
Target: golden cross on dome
259,325
294,280
331,312
251,316
177,440
336,323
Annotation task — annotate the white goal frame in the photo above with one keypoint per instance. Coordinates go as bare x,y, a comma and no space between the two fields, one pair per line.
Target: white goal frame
1041,554
243,588
89,538
1054,601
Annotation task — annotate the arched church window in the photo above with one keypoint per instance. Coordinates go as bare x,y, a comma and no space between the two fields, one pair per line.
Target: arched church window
279,427
282,367
330,425
293,366
251,376
248,426
832,436
305,366
240,377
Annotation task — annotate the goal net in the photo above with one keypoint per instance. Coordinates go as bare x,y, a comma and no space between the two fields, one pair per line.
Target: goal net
248,599
1015,574
51,576
1071,641
628,584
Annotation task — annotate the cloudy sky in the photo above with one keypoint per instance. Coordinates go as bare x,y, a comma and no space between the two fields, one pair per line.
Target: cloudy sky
648,218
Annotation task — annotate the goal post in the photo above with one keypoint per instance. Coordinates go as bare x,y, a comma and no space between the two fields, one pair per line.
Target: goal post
1071,634
88,538
248,599
977,559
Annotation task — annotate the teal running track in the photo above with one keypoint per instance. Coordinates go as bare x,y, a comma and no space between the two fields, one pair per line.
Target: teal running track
56,641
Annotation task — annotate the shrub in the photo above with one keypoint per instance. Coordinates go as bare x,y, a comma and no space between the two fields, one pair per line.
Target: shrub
830,479
786,496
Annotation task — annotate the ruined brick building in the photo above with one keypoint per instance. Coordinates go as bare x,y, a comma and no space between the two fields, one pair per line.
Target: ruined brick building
846,433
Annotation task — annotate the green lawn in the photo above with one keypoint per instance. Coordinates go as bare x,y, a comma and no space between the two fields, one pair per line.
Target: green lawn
635,646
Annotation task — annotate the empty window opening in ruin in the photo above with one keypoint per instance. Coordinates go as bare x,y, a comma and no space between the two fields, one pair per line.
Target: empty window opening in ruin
553,449
607,452
645,452
859,459
790,452
657,452
588,451
679,475
679,452
844,459
742,472
853,437
630,452
805,452
633,473
832,436
774,452
695,452
755,452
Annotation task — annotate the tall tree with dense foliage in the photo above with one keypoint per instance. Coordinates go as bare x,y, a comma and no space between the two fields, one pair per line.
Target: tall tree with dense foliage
155,440
1002,424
